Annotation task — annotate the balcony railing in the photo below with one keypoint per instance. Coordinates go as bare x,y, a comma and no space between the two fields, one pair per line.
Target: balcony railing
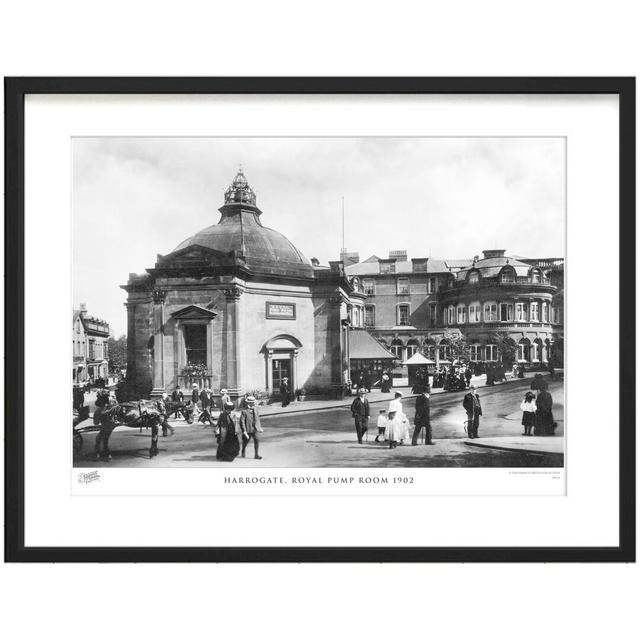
204,381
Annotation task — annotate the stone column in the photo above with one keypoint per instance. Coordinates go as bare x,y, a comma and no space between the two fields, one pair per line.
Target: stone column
158,342
294,371
270,370
232,330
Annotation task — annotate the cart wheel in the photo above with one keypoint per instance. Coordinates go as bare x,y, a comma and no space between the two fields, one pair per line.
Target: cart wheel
77,443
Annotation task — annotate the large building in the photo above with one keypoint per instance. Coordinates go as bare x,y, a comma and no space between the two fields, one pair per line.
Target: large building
90,347
237,306
417,305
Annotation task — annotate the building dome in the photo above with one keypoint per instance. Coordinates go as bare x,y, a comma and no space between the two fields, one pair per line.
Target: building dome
240,230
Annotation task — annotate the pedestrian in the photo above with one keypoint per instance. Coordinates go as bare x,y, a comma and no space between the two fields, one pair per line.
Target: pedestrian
206,401
545,426
360,412
385,384
528,407
195,396
177,398
161,405
366,379
472,406
224,397
227,435
422,419
78,397
285,392
251,427
397,424
467,377
102,402
538,383
382,424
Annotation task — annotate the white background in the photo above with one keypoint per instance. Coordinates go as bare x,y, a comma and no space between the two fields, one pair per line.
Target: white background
489,38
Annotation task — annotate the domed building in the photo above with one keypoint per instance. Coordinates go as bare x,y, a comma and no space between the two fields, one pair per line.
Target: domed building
237,306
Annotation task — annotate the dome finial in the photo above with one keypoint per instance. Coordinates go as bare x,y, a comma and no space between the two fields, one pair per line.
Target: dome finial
240,191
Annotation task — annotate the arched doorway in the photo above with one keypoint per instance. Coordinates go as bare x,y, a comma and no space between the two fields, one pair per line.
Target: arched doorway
281,354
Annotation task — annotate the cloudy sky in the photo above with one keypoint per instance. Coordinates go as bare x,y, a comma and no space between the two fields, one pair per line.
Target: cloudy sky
134,198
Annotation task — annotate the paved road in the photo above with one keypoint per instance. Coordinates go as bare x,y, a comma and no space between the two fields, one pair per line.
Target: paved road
327,438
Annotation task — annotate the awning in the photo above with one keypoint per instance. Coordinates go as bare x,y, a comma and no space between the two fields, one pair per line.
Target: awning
418,358
363,345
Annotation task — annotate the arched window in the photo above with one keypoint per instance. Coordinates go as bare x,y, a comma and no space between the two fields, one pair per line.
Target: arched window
429,347
524,350
412,346
508,276
474,277
396,348
536,350
462,314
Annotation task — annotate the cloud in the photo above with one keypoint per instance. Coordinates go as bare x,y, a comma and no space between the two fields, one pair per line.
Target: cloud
448,197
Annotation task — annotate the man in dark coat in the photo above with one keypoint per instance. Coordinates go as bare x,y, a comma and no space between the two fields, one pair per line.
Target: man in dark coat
422,419
545,426
360,412
285,392
472,406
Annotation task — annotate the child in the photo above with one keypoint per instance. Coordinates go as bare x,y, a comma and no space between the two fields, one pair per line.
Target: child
382,424
528,407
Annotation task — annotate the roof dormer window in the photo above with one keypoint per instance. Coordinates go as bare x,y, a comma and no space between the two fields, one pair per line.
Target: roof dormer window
508,276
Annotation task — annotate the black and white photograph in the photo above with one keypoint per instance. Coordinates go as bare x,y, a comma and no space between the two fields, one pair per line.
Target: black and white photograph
305,302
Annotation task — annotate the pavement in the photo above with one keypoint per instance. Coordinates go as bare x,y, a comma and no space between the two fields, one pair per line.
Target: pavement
321,434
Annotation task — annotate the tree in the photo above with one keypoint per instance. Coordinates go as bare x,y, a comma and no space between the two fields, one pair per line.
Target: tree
117,353
507,347
459,348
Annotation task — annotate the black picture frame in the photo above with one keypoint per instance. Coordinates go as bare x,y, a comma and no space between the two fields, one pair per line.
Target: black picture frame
15,91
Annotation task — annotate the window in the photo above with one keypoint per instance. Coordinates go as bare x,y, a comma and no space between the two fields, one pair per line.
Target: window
387,267
523,351
195,340
412,347
545,312
369,316
521,311
536,351
433,313
92,349
506,312
474,277
490,312
451,317
474,312
462,314
491,352
396,349
535,276
508,276
432,285
430,349
403,314
444,351
534,312
403,286
356,317
475,352
105,350
369,287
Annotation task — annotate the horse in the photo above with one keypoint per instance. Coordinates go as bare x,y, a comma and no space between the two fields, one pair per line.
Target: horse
129,414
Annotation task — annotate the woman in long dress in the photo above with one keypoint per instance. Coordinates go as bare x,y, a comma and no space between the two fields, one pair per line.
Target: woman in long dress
397,424
228,443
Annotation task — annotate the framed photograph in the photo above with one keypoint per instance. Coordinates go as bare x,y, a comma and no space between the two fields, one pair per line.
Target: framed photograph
320,319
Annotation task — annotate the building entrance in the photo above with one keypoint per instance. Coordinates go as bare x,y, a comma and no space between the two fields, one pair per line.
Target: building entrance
280,369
